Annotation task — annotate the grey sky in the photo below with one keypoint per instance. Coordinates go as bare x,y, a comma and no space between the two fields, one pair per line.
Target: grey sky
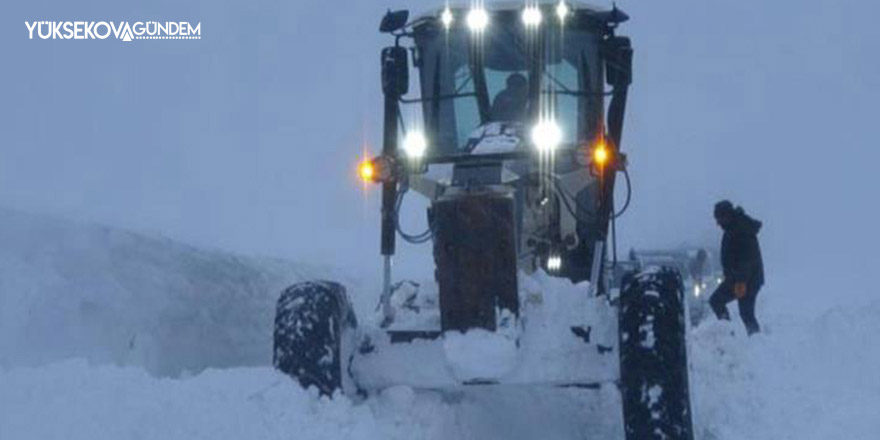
247,139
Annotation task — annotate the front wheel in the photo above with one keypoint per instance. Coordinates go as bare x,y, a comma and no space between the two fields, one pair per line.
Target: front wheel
312,321
653,357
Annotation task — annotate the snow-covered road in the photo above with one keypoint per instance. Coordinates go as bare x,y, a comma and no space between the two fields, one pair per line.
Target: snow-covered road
797,382
73,400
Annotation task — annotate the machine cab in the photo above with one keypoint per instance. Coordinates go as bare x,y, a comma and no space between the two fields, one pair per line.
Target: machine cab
513,96
534,73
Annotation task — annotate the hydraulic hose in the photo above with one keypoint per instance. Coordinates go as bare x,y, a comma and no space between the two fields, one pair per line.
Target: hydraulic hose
424,237
628,195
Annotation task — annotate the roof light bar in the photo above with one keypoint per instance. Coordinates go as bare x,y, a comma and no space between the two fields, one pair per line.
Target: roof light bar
477,19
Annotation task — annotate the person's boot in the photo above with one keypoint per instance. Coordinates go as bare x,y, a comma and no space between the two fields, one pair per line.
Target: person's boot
721,313
753,328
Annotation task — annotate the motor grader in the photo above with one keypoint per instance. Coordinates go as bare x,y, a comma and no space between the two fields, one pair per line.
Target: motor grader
518,149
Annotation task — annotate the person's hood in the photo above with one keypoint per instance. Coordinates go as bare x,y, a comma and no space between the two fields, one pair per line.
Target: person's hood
743,223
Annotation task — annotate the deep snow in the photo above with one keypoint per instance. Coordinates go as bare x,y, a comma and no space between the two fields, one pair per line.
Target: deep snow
95,295
110,296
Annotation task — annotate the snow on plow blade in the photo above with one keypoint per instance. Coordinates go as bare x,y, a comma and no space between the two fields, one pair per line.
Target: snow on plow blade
540,350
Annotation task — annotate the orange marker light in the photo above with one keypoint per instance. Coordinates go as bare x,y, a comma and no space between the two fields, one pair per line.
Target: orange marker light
367,171
600,154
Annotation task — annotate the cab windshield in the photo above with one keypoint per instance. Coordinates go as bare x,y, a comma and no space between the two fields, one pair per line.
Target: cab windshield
508,73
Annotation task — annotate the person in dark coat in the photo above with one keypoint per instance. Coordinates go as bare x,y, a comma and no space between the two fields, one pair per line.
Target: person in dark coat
742,264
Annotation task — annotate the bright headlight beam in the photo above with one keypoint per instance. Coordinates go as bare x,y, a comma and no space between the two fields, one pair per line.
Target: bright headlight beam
546,136
415,144
477,19
562,10
447,18
531,16
554,263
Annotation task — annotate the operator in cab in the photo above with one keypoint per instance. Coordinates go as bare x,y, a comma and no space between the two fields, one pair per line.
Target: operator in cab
510,104
742,264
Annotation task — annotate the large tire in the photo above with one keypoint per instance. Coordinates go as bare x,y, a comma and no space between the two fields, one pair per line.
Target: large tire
312,322
653,357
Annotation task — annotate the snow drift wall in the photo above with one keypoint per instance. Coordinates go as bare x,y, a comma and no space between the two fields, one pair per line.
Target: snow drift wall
70,290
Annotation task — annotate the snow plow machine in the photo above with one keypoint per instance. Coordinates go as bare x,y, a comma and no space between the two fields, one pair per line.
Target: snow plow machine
517,148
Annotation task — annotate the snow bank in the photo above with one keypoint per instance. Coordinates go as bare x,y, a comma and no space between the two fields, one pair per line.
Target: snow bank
71,290
801,379
73,400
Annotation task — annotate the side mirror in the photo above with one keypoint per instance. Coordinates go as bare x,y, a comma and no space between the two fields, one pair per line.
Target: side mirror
395,71
613,17
394,21
618,54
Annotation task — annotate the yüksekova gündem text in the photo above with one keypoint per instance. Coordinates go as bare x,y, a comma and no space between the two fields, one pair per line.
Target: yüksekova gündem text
100,30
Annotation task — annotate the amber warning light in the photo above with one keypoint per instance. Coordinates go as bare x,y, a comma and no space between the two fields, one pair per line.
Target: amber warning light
600,154
367,171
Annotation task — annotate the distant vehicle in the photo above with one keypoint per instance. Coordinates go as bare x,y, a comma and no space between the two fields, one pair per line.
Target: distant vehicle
518,150
700,269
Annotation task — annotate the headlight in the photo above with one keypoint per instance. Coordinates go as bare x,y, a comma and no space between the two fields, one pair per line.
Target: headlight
531,16
562,10
554,263
415,144
447,18
547,136
477,19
